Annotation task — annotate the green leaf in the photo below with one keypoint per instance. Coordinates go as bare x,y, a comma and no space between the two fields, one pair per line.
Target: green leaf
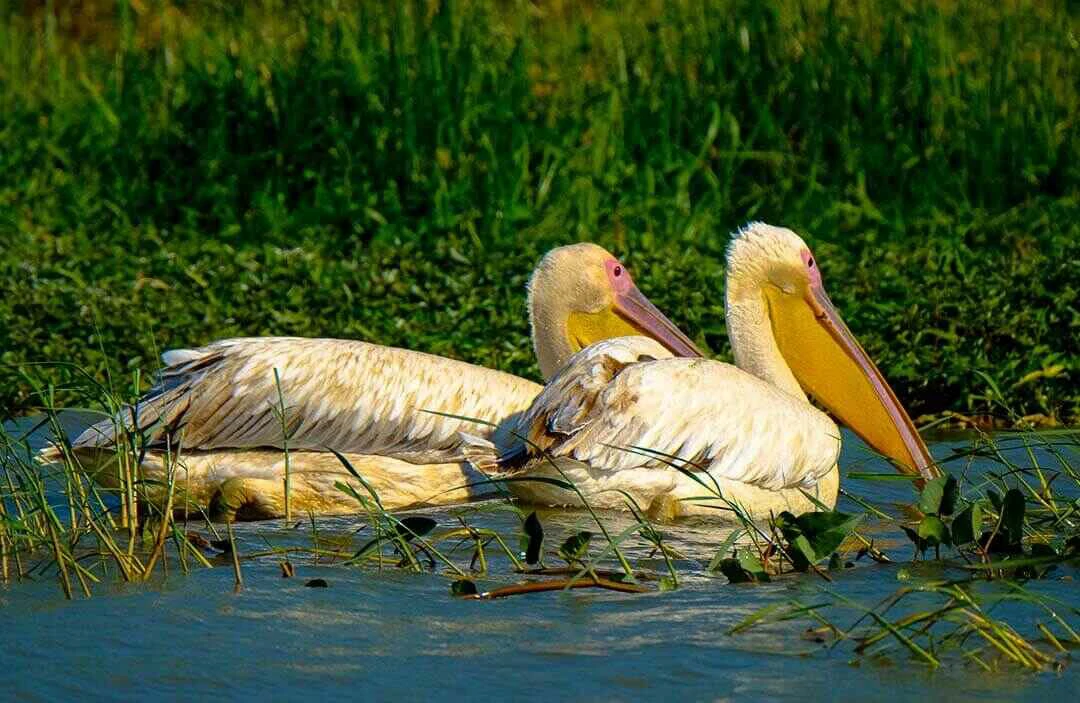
826,531
750,562
415,525
575,546
534,532
938,496
802,554
463,587
1012,515
729,541
813,536
967,525
932,531
950,495
745,567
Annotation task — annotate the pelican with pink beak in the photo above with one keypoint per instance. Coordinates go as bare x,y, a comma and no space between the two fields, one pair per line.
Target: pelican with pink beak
220,415
617,416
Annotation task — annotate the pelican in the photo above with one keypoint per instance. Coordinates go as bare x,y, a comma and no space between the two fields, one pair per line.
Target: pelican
217,416
620,412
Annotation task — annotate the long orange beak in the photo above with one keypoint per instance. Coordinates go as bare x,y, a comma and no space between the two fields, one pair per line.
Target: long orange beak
633,307
831,365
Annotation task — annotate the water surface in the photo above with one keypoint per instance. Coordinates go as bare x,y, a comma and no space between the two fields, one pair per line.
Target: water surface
397,635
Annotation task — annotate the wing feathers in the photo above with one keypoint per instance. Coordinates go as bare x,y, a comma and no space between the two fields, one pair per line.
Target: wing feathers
352,396
707,414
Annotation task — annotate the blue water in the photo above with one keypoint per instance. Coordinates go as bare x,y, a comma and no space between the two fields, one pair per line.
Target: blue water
393,635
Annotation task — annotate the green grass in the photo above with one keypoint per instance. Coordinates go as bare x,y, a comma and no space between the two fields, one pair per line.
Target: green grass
173,173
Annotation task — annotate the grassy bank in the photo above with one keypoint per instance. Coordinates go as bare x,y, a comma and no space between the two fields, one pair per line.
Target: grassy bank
175,173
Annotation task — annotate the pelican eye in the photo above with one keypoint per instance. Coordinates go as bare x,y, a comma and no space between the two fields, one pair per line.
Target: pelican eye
617,271
810,262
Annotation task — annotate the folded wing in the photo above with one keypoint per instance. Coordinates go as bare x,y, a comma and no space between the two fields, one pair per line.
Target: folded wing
347,395
620,404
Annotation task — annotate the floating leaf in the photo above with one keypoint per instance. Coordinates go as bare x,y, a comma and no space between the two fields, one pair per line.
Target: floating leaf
575,546
406,528
814,536
933,532
415,525
938,496
743,568
463,587
534,533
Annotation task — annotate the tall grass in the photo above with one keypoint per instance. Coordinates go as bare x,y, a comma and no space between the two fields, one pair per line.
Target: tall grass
172,173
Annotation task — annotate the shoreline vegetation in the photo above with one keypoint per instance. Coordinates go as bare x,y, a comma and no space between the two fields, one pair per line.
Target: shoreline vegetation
174,173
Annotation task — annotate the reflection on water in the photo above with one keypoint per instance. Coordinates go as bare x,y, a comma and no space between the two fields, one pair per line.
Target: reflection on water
392,634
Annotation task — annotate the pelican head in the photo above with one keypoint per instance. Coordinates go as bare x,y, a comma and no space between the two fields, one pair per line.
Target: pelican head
579,295
785,329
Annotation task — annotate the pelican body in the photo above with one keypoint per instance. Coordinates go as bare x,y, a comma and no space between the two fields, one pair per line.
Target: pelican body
628,423
221,415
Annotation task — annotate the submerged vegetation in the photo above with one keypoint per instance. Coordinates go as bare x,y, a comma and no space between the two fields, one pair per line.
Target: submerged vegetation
180,172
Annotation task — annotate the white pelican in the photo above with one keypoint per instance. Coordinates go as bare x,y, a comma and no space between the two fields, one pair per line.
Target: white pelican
747,430
220,404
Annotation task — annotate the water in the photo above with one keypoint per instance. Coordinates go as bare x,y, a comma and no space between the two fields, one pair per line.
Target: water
394,635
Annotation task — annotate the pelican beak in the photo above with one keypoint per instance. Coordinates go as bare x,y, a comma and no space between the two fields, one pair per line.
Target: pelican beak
638,311
831,365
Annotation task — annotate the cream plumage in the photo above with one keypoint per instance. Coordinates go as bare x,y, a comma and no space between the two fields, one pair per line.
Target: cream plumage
352,396
621,411
387,409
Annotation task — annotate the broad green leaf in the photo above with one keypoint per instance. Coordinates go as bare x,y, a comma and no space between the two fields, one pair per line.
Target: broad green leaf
932,531
938,496
826,531
967,525
749,561
463,587
813,536
950,495
575,546
1012,515
745,567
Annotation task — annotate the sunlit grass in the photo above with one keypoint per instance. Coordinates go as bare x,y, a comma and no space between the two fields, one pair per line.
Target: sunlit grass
179,173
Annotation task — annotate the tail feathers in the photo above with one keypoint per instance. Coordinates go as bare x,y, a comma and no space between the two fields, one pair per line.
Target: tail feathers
164,404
